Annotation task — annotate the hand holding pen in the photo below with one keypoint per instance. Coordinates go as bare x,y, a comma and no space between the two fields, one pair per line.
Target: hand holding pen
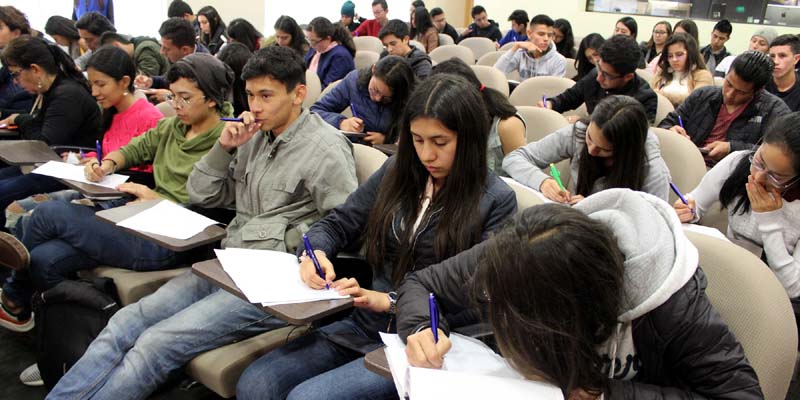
238,131
315,268
428,347
683,207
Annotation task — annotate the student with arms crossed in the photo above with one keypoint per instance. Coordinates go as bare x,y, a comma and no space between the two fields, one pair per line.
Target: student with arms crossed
537,56
396,40
680,69
432,200
613,150
785,83
605,299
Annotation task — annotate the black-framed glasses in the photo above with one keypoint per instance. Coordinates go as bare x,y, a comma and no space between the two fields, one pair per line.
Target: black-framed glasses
778,183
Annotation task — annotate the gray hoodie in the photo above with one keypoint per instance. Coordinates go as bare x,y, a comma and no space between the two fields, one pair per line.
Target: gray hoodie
551,63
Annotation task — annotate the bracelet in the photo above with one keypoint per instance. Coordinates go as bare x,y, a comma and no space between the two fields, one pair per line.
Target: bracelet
113,169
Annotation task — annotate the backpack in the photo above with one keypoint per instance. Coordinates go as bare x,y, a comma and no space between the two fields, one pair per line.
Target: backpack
68,318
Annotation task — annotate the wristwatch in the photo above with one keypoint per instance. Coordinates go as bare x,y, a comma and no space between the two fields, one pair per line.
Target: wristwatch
392,302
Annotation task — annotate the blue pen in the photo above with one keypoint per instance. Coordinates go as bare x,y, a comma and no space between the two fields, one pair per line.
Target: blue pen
237,119
353,109
680,195
434,317
544,101
99,150
81,153
310,253
680,121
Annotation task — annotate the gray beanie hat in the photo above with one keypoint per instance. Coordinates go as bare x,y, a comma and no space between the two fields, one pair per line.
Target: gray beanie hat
769,34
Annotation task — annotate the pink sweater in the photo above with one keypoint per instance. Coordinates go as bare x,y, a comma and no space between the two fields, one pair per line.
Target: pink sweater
136,120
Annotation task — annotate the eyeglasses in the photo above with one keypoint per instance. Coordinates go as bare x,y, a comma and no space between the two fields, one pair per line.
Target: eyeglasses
180,102
659,32
606,76
778,183
377,93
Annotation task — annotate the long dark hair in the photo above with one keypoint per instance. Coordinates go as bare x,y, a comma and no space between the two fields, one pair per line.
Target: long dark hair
236,55
694,60
623,121
631,24
338,33
651,45
554,281
117,64
496,103
287,24
781,132
27,50
396,73
457,105
690,27
567,46
214,22
583,64
422,22
242,31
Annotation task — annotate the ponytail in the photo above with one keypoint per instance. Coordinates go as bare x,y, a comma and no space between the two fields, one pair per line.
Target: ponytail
66,65
342,36
27,50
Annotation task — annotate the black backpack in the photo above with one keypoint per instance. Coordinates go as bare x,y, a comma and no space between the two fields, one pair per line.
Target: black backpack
68,317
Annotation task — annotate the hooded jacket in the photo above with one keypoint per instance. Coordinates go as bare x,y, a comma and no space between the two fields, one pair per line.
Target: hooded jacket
551,63
147,56
588,91
669,342
491,32
377,117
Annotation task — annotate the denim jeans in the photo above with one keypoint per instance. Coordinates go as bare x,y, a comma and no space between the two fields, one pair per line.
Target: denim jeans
15,186
313,367
147,341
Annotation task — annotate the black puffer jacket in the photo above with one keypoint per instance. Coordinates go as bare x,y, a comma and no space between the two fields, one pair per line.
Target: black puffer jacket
588,91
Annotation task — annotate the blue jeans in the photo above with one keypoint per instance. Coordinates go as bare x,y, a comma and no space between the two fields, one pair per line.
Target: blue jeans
15,186
147,341
313,367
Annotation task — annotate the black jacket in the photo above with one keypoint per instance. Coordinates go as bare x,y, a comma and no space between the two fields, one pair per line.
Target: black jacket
419,61
491,32
708,53
450,31
699,113
686,350
588,91
13,98
69,116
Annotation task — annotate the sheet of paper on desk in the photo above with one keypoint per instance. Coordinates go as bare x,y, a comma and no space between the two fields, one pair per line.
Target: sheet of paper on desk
270,277
168,219
705,230
62,170
515,185
471,370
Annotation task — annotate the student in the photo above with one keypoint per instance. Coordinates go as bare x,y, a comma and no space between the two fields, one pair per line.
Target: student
14,99
537,56
615,74
148,341
715,51
332,51
145,52
604,301
61,239
91,26
733,117
413,7
372,27
440,180
395,38
626,26
662,31
440,22
507,127
242,31
235,55
376,97
289,34
785,53
349,19
64,33
760,191
588,55
519,25
680,69
562,37
181,9
688,27
613,150
212,29
481,26
102,7
760,41
422,29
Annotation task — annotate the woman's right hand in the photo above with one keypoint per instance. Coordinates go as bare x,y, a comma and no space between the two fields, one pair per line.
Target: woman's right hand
423,352
94,171
685,212
552,191
308,272
143,82
352,124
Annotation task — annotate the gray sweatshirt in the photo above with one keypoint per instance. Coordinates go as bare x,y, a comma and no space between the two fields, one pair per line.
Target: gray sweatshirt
525,163
550,64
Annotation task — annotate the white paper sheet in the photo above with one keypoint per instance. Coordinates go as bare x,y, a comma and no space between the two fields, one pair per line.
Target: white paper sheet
168,219
536,193
270,277
705,230
471,364
62,170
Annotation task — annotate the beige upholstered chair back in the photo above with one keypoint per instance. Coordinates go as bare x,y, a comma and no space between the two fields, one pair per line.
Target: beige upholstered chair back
370,43
443,53
478,45
368,160
531,90
365,58
491,77
313,89
685,163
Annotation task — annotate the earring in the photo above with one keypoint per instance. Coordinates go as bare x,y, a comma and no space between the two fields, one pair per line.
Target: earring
125,93
39,85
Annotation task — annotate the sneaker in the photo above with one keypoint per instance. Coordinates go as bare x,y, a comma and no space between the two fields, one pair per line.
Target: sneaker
15,322
31,376
13,253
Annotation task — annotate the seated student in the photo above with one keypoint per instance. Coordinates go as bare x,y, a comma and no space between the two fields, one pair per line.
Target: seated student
349,19
60,238
653,49
332,51
91,26
537,56
177,42
396,40
785,83
507,127
145,342
481,26
519,25
715,51
613,150
145,52
604,301
760,41
181,9
288,33
13,97
440,22
422,29
588,55
688,27
236,55
212,29
376,97
242,31
733,117
627,26
615,74
64,33
102,7
432,200
680,69
371,27
563,38
759,189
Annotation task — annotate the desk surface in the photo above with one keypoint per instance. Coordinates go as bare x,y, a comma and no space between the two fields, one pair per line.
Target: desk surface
296,314
9,134
89,190
388,149
26,152
376,362
117,214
